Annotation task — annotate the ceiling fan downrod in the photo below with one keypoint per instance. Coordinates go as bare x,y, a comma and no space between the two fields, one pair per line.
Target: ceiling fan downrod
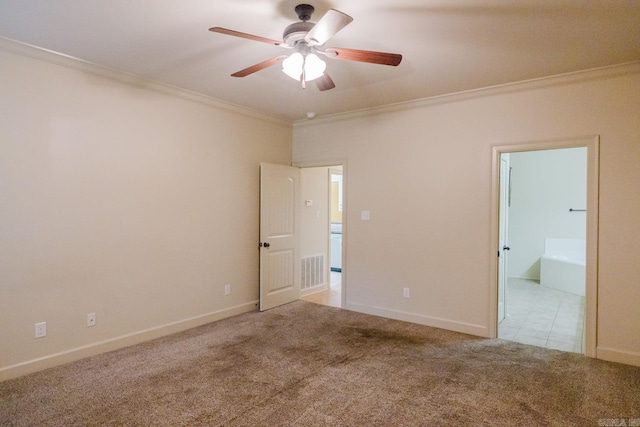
304,12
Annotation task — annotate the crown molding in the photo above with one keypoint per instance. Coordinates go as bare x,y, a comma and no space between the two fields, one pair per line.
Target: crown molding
521,86
66,61
77,64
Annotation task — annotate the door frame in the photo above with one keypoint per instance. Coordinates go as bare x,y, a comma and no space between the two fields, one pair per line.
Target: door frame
328,164
592,143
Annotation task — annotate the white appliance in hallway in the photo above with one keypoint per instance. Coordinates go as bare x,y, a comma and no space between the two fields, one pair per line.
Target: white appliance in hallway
336,246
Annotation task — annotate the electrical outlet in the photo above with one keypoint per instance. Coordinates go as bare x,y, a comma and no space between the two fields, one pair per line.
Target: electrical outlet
41,329
406,293
91,319
227,289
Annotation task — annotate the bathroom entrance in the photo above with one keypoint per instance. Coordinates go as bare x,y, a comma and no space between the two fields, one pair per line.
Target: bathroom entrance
545,195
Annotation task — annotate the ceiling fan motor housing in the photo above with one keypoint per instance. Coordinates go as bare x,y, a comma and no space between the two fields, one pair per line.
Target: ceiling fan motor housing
296,32
299,30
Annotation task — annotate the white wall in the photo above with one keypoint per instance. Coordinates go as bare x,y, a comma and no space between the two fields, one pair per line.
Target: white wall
128,202
424,172
544,186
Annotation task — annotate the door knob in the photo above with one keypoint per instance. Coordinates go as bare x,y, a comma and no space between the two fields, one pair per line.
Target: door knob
265,244
506,248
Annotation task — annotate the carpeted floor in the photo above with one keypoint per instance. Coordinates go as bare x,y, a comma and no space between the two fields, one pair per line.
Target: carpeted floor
304,364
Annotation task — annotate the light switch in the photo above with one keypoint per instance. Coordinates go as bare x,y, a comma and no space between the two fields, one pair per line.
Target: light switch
365,215
308,203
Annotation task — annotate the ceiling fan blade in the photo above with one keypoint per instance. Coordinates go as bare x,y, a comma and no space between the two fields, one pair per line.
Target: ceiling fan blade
332,22
259,66
325,82
364,56
244,35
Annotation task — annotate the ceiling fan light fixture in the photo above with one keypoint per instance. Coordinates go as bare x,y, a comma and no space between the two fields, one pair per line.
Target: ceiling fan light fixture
313,66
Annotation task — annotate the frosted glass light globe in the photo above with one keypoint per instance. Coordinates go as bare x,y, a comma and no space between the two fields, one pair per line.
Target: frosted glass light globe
313,66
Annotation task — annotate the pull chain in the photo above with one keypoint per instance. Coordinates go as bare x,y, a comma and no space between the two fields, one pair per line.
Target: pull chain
303,76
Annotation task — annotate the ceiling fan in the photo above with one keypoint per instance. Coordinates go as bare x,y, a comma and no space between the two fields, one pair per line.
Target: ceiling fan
307,40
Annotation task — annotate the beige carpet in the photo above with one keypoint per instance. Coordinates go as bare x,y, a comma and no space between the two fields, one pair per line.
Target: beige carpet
309,365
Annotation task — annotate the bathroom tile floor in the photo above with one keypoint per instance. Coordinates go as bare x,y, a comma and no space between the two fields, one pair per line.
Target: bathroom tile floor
542,316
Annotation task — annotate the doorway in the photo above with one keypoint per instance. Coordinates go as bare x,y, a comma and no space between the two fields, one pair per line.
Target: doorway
335,231
525,310
542,237
322,233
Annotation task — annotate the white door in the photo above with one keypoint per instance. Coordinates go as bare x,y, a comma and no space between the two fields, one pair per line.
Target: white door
279,258
503,248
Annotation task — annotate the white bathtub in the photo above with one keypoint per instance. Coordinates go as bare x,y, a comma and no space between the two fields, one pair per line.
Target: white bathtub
563,264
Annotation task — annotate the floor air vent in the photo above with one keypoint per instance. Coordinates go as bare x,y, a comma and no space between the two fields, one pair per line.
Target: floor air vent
311,271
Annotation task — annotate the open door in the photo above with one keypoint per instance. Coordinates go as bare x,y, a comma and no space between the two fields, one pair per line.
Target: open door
503,247
279,257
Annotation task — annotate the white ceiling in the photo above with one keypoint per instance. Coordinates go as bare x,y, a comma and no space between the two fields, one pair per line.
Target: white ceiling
447,45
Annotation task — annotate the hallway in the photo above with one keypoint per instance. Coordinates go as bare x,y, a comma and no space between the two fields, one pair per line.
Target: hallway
331,296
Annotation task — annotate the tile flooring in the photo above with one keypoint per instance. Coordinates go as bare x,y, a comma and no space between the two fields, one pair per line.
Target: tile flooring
332,296
542,316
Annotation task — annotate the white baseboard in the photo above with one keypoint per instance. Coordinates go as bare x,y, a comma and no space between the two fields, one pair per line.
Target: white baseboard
436,322
618,356
116,343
